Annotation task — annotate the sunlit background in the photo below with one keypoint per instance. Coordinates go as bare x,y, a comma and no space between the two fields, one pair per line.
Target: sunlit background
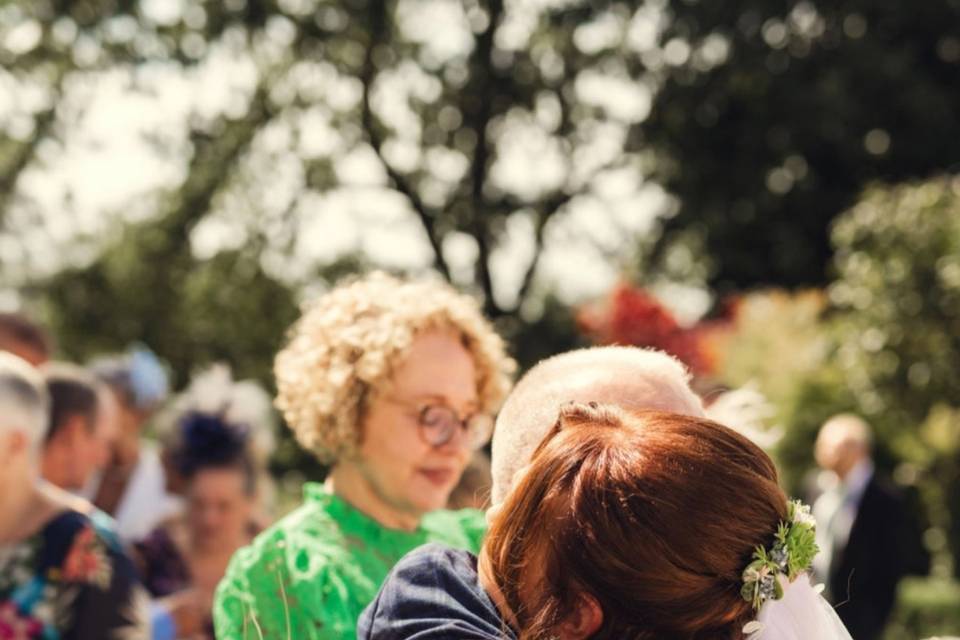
766,189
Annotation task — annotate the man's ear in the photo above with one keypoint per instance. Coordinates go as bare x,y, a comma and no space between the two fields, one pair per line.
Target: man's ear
12,445
584,621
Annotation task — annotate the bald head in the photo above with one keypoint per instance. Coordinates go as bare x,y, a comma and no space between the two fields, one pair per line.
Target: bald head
629,377
843,441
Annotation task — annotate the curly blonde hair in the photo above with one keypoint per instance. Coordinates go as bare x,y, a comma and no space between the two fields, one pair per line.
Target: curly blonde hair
347,343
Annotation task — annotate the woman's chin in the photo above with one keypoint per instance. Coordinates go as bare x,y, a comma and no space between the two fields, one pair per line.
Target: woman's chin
430,496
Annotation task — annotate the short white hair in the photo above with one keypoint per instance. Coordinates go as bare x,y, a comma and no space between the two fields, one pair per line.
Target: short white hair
629,377
24,402
847,429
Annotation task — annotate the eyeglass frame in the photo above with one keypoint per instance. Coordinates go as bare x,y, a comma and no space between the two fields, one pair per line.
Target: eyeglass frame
419,411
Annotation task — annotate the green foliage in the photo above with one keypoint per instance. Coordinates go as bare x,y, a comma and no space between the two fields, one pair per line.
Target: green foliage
898,300
192,313
812,100
550,329
898,288
772,117
798,539
788,326
925,608
784,344
791,554
444,124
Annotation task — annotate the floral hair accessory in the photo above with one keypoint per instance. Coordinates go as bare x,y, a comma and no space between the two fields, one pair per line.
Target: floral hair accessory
792,553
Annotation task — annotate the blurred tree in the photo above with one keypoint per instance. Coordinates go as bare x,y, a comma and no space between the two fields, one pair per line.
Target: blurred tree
898,293
634,316
195,313
771,117
473,112
783,344
897,297
764,118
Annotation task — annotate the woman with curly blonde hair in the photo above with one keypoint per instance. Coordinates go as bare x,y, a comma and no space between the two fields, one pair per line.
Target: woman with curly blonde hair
393,384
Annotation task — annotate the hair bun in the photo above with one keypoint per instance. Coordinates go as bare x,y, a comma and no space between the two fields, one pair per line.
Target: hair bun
573,414
206,439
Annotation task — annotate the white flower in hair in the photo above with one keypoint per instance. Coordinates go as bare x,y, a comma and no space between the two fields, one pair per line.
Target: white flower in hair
803,516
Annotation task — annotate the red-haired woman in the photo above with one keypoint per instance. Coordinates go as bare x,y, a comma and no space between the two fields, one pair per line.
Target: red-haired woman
625,526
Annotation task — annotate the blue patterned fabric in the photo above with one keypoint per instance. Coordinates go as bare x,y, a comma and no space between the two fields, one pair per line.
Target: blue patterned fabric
71,581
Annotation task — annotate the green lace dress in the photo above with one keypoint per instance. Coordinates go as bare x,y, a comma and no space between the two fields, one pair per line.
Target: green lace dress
310,576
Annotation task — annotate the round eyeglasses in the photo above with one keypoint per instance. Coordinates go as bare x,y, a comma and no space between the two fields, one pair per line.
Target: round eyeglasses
439,424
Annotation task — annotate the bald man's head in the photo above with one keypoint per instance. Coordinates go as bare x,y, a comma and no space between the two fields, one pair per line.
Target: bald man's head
625,376
844,440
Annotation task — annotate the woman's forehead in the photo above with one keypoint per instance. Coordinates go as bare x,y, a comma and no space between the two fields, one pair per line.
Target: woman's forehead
437,366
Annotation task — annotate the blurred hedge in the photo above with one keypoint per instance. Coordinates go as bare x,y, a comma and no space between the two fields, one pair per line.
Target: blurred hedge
925,608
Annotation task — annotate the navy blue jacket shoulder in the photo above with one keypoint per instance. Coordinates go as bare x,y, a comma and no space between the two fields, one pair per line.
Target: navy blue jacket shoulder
433,593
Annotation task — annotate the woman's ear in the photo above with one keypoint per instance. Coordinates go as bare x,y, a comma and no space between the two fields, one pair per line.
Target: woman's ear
584,621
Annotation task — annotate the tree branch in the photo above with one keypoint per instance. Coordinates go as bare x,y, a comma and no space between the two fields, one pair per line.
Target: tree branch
212,164
560,199
378,29
479,119
550,207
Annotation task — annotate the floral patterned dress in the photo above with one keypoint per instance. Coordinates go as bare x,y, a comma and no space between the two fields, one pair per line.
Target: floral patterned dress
70,581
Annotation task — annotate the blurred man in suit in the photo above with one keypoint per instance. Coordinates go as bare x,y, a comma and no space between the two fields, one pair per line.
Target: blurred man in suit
864,533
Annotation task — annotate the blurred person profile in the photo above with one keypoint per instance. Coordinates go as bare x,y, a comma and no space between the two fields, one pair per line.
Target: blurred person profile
393,384
24,338
62,575
133,486
867,540
243,404
214,423
82,426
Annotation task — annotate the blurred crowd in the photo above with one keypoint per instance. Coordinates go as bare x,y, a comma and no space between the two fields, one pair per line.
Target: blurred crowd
161,489
154,511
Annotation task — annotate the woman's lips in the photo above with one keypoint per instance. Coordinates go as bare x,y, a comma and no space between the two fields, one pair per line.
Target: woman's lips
438,477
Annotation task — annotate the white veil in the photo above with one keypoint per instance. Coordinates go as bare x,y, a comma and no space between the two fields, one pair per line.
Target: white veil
801,614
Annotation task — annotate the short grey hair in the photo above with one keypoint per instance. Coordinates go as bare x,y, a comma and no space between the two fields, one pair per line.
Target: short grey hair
849,429
629,377
24,402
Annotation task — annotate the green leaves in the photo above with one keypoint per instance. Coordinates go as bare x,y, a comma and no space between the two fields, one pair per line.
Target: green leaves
791,554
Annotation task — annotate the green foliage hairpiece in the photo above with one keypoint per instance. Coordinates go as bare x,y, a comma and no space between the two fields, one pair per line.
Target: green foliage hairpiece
792,553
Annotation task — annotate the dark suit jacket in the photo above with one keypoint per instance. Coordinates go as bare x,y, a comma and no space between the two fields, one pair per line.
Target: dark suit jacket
881,549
